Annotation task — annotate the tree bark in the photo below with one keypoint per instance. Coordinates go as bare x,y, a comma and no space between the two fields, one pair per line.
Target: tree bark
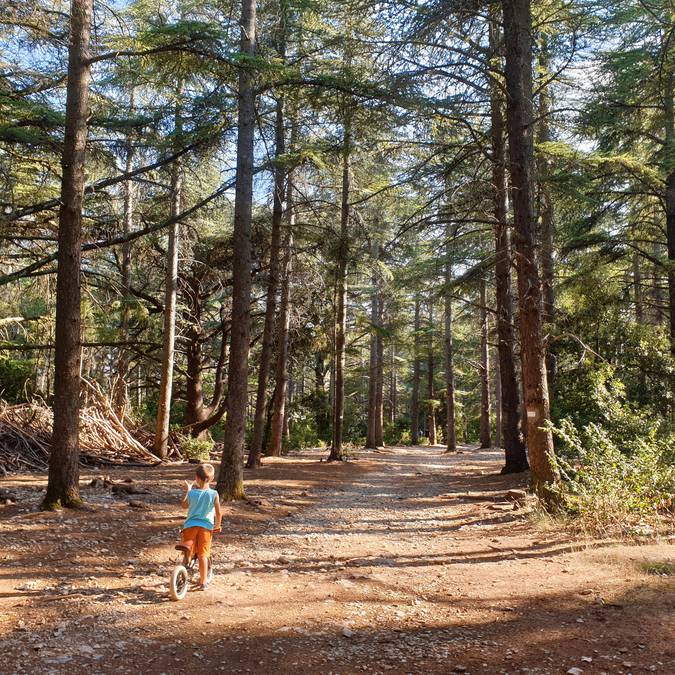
518,44
498,406
431,412
450,432
230,483
415,401
669,154
160,446
279,414
336,452
63,481
371,440
637,289
393,388
379,374
485,435
272,288
511,438
546,210
120,388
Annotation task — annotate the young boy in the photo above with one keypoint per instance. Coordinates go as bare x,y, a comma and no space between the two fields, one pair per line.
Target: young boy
203,518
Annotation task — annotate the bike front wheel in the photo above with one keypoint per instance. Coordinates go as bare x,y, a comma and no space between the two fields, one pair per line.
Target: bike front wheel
178,585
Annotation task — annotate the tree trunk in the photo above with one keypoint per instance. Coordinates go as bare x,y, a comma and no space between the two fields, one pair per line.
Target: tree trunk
450,432
160,447
120,389
546,211
511,438
341,314
498,406
279,414
379,385
669,154
393,387
431,413
230,484
415,401
485,435
272,287
63,481
517,38
637,288
371,440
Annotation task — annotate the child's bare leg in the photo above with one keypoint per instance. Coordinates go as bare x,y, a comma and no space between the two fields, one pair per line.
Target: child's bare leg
203,568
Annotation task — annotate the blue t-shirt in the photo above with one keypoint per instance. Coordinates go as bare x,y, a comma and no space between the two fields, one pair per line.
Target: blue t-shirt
201,508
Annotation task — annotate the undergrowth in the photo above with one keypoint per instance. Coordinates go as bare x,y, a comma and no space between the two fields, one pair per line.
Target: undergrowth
618,473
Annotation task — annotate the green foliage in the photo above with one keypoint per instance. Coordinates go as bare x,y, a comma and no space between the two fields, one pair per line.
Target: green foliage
302,434
618,472
197,449
15,376
397,433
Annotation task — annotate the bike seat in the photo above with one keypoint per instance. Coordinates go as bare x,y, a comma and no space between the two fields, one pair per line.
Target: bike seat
186,547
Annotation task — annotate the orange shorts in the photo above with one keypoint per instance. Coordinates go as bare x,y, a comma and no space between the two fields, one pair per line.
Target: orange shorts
199,538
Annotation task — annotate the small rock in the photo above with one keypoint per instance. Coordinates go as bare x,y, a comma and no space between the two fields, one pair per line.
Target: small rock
459,669
347,632
587,659
575,671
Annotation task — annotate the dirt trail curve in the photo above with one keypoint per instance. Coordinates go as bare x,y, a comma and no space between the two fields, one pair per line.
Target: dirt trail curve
408,561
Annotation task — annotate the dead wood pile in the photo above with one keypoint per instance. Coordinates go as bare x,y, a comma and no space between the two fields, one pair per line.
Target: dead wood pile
25,434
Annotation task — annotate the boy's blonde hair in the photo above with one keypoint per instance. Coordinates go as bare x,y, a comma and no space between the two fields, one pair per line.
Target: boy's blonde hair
205,472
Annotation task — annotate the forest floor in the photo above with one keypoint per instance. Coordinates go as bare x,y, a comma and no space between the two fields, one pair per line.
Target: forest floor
403,561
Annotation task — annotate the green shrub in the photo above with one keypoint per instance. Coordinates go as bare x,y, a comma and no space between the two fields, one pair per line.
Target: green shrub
618,473
397,433
197,449
302,434
15,379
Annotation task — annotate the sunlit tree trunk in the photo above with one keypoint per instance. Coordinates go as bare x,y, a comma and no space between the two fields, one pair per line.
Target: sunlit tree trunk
415,399
63,481
255,450
230,483
160,446
341,311
485,435
511,437
518,47
431,394
121,388
669,154
379,376
279,414
498,406
371,440
450,432
393,387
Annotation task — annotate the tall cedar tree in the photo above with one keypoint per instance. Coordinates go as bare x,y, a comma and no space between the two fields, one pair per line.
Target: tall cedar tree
230,483
520,119
64,472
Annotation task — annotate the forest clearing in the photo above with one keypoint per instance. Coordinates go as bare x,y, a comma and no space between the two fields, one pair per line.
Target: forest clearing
408,561
337,336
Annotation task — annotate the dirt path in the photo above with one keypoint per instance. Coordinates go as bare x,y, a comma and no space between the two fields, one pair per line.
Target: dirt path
407,561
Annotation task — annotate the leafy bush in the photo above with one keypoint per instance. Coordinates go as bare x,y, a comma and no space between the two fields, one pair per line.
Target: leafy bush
618,471
397,433
302,434
15,378
197,449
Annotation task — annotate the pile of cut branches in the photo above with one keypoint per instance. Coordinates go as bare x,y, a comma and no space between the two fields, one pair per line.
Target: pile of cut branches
25,436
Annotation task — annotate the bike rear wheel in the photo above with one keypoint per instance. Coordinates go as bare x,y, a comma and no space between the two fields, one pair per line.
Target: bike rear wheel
178,585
